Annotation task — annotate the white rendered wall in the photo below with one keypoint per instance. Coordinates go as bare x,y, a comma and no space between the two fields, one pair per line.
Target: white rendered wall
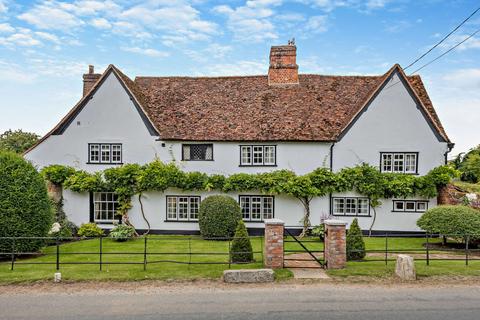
392,122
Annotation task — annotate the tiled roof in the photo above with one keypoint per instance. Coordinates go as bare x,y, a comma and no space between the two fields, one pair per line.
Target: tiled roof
248,109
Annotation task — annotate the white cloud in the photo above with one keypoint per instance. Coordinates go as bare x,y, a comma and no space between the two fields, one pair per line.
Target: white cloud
146,51
316,24
472,43
3,7
251,22
47,36
6,28
49,15
464,78
23,37
213,50
101,23
376,4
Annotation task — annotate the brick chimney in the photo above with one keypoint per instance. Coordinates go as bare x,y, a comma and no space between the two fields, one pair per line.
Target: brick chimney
283,65
89,79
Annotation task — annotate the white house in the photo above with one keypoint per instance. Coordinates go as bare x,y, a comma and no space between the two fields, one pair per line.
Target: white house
228,125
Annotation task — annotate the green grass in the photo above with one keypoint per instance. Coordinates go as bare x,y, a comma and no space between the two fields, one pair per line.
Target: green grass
157,247
470,187
177,247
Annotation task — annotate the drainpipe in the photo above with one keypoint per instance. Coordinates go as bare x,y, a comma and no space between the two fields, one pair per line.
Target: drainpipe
450,146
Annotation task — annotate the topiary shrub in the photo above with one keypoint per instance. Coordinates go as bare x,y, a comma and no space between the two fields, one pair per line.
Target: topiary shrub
122,232
241,249
90,230
355,243
218,216
25,209
451,221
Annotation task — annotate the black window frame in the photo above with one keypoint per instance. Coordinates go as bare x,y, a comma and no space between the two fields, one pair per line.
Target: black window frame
197,144
188,220
345,207
404,153
252,164
99,145
262,214
116,217
404,201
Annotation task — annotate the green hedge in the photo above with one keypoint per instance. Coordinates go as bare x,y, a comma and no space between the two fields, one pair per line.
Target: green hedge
451,220
218,216
25,209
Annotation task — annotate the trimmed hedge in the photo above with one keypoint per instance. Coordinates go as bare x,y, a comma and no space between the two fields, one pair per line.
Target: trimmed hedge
218,216
241,250
25,209
451,220
355,243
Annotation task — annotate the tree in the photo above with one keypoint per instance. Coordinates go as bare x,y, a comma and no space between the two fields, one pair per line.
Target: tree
355,243
241,250
25,209
17,141
218,216
468,164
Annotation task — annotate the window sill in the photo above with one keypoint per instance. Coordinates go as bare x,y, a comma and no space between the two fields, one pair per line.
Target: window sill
351,215
106,163
181,221
257,165
198,160
408,211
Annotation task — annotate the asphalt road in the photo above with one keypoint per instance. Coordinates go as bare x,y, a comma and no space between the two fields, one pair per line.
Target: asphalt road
274,302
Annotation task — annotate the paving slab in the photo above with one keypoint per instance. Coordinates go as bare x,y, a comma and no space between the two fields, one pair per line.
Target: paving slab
309,273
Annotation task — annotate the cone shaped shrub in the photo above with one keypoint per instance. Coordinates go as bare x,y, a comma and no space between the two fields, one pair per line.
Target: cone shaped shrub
355,243
218,216
241,249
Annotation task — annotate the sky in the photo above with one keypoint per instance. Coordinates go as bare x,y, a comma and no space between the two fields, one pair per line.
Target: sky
46,46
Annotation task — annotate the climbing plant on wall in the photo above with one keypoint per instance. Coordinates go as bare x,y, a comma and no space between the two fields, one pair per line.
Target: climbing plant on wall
132,179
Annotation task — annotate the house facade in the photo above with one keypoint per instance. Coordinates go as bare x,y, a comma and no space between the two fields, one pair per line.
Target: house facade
227,125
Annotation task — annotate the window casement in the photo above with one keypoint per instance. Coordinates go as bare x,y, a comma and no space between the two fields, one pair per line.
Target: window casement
197,152
105,153
399,162
254,155
410,205
256,208
182,208
105,205
351,206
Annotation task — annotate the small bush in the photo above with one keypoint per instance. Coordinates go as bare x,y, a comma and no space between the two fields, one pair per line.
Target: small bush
318,231
90,230
56,173
218,216
25,209
122,232
67,229
355,243
451,220
241,250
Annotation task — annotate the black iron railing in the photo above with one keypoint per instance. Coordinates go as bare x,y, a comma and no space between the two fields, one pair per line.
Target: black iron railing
149,252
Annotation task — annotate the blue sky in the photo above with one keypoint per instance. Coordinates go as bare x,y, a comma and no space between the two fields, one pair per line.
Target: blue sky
45,47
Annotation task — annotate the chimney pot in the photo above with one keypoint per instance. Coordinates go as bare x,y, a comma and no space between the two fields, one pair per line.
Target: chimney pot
283,65
89,79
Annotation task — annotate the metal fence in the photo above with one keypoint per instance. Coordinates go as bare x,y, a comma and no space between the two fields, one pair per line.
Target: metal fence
148,253
432,248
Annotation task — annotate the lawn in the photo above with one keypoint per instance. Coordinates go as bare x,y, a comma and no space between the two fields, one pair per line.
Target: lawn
163,250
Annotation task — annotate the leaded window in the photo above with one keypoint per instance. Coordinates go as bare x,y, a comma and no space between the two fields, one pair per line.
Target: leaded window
197,152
